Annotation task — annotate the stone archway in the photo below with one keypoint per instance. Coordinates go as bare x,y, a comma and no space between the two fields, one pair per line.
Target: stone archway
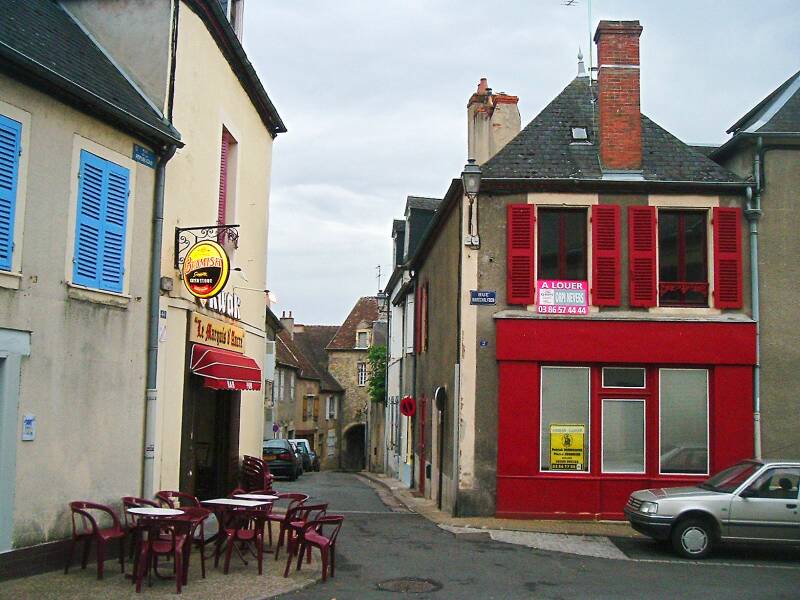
353,447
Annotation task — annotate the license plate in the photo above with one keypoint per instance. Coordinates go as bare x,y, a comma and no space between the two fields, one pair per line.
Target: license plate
269,457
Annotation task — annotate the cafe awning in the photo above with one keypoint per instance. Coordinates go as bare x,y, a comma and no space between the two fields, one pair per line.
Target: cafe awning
225,370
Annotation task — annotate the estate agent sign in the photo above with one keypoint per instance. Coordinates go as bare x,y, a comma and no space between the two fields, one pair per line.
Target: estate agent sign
212,332
557,297
566,447
205,269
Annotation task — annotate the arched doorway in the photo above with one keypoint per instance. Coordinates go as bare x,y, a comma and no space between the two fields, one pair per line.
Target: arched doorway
353,451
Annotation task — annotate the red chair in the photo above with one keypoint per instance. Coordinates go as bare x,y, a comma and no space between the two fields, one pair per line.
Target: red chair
89,530
255,474
246,527
176,499
129,521
283,504
313,536
192,508
296,520
163,537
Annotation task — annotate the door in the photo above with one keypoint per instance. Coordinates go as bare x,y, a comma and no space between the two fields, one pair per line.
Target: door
768,508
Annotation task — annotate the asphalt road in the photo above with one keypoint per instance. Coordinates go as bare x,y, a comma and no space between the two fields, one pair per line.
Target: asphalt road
380,543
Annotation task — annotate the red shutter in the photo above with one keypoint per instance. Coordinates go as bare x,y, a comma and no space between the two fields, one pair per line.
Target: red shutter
727,257
418,319
605,255
222,208
520,234
642,245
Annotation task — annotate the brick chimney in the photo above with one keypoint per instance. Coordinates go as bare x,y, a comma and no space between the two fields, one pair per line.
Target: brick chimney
618,95
288,323
492,121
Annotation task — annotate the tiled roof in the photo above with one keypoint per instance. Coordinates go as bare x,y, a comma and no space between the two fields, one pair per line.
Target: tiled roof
42,44
312,341
544,149
779,112
365,311
286,352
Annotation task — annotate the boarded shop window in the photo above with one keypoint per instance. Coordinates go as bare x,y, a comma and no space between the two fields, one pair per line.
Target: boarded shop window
565,419
562,244
623,436
682,258
683,408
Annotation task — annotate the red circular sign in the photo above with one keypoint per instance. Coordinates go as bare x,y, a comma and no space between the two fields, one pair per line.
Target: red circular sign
408,406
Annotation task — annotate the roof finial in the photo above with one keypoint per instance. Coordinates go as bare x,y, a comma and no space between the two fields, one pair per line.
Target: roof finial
581,68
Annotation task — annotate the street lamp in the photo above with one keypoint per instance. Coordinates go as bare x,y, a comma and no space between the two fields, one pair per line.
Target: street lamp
471,182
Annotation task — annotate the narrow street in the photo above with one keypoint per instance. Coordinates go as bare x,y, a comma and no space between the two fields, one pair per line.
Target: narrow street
380,543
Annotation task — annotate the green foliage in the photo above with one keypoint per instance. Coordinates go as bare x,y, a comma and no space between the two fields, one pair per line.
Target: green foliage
376,386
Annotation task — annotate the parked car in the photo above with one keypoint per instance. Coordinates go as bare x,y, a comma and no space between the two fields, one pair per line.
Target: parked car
752,501
280,455
299,454
314,461
305,453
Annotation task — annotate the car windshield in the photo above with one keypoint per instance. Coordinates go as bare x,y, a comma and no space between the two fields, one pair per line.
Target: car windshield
275,444
731,478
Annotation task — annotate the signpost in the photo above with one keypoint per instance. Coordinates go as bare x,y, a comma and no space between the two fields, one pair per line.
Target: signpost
566,447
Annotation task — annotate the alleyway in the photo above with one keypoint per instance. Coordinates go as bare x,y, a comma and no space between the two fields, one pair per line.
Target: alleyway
381,542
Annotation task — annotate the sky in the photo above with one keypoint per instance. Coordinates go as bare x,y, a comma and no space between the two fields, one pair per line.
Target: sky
374,93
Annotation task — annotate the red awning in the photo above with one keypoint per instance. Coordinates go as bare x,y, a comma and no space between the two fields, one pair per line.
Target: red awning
225,370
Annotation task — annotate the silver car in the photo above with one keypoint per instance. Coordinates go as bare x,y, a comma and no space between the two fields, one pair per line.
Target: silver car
754,500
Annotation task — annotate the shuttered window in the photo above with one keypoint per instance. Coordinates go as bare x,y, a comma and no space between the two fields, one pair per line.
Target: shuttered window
682,258
520,237
605,255
727,257
10,135
101,223
642,255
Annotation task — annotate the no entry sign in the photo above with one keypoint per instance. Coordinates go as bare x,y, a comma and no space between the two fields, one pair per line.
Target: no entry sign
408,406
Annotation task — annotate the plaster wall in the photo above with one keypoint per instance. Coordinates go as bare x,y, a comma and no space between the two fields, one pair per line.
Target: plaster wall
84,378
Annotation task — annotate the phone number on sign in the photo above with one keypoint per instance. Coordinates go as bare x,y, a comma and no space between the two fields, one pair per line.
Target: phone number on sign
562,310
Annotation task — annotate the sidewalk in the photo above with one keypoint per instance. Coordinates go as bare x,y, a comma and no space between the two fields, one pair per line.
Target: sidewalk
427,508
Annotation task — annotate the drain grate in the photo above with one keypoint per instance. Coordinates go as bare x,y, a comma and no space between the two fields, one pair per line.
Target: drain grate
410,585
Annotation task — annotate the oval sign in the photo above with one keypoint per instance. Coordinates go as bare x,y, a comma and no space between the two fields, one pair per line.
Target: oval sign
205,269
408,406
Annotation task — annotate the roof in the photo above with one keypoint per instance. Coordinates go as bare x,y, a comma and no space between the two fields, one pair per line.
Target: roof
544,149
779,112
366,310
312,341
421,202
42,45
398,225
704,149
286,353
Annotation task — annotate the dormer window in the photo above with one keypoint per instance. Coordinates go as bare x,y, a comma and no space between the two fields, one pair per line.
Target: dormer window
580,134
362,339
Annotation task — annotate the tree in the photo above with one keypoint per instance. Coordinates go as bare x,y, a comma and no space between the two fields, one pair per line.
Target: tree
376,386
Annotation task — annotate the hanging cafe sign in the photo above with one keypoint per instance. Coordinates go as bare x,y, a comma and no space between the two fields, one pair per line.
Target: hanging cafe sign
205,269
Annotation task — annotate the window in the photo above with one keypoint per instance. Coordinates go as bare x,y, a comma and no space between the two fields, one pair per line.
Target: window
408,317
316,408
309,402
579,134
565,419
291,386
10,139
226,213
331,407
362,339
422,318
562,244
101,224
682,258
623,377
362,373
780,484
623,436
683,427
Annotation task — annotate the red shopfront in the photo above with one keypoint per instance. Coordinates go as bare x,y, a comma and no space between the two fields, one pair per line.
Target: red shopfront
658,403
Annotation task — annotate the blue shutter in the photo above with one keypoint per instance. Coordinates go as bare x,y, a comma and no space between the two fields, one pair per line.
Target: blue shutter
101,223
10,132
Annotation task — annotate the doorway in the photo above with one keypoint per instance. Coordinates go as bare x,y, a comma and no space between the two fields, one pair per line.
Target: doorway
353,455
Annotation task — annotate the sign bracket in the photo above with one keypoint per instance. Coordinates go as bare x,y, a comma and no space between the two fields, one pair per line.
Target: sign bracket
186,237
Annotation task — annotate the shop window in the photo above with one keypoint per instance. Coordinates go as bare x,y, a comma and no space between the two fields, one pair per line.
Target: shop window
623,377
562,244
565,419
362,373
682,258
623,436
683,426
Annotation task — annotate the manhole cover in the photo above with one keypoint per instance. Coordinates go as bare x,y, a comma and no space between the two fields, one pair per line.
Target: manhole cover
410,585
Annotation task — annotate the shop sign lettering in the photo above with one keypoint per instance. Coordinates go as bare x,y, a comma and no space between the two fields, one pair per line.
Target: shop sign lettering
226,303
212,332
555,297
566,447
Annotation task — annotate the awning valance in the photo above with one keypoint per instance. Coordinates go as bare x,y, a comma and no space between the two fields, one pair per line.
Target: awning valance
225,370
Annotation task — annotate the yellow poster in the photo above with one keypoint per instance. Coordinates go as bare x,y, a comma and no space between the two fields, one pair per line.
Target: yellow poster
566,447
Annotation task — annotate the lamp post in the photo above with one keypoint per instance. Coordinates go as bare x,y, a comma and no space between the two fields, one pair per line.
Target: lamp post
471,182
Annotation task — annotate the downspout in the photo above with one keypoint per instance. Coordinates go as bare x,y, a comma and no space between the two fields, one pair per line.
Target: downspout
152,326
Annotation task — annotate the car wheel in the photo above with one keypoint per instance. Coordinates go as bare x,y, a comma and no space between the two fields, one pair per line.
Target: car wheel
693,538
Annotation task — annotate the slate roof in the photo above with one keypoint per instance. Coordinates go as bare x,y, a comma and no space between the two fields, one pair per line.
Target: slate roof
365,311
398,225
312,341
704,149
41,44
779,112
422,203
544,149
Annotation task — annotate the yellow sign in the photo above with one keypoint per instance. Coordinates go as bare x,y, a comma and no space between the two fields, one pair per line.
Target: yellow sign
205,269
566,447
211,332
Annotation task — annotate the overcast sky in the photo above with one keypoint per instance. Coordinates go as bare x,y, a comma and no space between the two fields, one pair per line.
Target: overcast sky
374,93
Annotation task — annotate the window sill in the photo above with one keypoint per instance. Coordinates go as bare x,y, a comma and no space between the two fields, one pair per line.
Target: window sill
10,280
78,292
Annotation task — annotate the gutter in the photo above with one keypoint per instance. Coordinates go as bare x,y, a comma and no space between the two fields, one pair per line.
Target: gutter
151,394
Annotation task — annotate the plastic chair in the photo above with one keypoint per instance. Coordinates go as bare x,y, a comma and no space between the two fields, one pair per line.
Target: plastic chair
296,520
284,503
255,474
89,530
246,527
313,536
163,537
129,521
192,508
174,499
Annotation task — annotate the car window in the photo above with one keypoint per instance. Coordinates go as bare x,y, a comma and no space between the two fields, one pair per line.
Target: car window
780,483
732,477
275,444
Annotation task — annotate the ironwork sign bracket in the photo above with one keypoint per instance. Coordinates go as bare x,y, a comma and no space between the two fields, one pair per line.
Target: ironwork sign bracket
186,237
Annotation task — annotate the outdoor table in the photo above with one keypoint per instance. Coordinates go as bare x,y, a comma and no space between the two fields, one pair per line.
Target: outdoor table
219,506
152,513
267,497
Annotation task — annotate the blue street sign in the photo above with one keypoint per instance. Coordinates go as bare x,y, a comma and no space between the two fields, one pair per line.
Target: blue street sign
482,297
144,156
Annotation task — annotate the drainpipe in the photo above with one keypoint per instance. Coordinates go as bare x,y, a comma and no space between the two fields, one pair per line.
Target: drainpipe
753,213
152,326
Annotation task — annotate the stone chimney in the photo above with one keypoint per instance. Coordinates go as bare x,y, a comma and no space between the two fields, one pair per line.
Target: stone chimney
618,95
288,323
492,121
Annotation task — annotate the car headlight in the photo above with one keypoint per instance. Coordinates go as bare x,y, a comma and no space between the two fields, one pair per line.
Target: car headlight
649,508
